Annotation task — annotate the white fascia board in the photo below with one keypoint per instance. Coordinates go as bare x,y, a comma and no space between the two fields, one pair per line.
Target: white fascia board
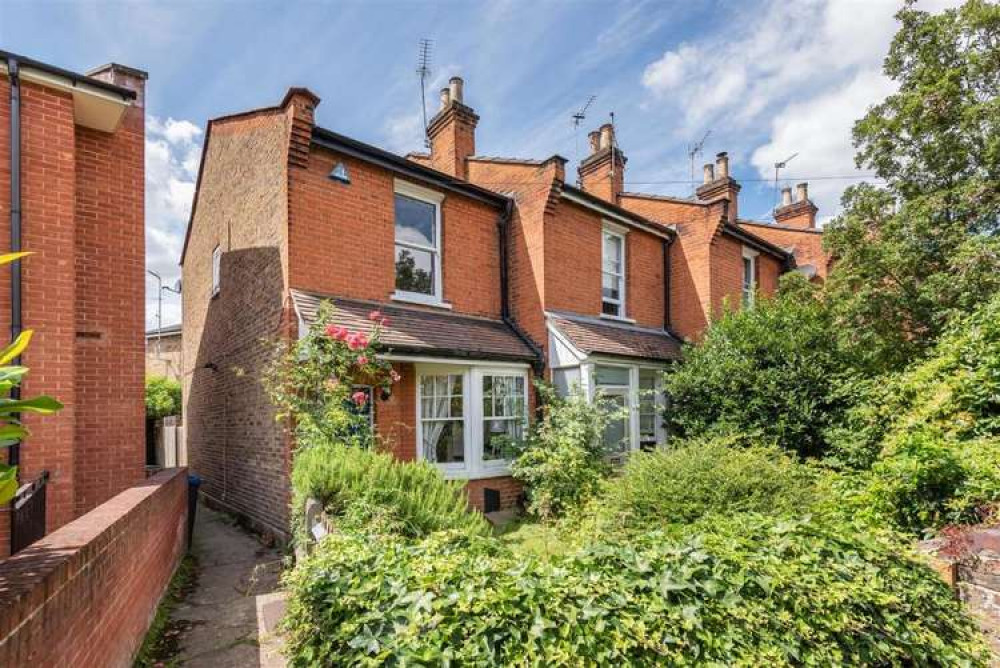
93,107
608,213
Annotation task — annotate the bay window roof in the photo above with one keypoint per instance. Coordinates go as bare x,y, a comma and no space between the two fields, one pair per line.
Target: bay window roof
590,336
419,331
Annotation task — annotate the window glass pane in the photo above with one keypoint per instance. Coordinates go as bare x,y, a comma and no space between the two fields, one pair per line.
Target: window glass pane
566,380
503,415
612,375
747,272
611,287
415,222
616,432
414,270
497,436
647,379
612,253
444,441
610,308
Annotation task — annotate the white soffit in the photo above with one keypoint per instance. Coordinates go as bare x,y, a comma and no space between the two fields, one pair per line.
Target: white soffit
92,107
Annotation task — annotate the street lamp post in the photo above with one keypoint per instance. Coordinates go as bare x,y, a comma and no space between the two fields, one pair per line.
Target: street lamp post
160,287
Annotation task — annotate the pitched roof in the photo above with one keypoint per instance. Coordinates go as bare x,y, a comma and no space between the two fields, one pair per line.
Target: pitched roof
418,331
165,331
591,336
75,77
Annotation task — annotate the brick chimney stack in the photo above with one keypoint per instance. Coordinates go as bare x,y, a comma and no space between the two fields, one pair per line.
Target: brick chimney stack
300,105
800,213
452,132
602,173
719,185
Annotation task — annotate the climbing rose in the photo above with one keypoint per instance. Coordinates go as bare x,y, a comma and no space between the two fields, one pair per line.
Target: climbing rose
385,321
375,316
394,375
362,360
360,398
333,331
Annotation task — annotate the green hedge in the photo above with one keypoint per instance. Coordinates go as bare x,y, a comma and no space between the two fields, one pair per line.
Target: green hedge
361,487
703,477
747,591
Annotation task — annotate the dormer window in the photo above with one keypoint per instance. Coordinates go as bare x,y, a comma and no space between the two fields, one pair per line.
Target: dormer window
613,273
418,243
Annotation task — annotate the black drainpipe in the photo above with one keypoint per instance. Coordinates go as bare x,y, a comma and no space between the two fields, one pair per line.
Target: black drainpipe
503,225
14,452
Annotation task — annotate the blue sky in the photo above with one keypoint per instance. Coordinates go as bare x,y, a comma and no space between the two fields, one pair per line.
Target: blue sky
768,77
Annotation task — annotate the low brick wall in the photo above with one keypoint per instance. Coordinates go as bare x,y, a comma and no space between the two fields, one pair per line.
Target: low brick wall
85,594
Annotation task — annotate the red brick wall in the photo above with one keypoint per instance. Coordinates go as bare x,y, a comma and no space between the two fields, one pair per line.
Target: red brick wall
110,309
342,237
806,244
85,594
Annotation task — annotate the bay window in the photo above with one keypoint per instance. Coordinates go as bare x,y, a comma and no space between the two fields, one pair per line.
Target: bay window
417,214
469,416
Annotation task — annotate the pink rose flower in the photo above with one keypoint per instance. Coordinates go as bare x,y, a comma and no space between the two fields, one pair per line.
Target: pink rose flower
375,315
394,375
333,331
362,360
359,398
385,321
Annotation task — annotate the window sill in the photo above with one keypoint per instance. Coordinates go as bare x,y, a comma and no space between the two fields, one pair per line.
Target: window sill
485,474
407,298
617,318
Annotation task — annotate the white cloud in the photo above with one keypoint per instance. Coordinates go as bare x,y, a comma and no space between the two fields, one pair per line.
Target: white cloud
173,151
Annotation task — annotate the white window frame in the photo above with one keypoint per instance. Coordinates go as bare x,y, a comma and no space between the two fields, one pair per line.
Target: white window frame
419,193
216,269
620,233
588,374
748,292
474,467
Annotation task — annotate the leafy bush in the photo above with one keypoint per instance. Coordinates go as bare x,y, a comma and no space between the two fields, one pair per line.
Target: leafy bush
769,371
360,486
163,397
749,591
704,477
925,483
562,462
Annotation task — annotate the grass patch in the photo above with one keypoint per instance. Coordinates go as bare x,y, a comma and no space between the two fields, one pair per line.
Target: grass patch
528,537
160,644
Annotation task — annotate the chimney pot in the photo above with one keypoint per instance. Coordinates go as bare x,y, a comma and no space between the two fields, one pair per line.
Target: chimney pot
595,141
445,98
722,164
455,84
607,135
709,173
786,196
802,190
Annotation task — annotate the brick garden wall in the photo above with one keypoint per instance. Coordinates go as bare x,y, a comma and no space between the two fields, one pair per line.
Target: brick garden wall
85,594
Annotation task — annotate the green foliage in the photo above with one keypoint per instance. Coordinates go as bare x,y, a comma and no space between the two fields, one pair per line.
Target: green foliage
911,256
744,592
704,477
163,397
12,430
771,372
563,460
313,382
362,486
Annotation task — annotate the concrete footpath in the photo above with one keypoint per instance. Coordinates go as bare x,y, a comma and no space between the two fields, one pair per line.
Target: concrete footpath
229,617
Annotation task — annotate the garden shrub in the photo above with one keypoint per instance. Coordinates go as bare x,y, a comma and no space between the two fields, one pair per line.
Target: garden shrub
702,477
563,459
746,591
362,486
163,397
770,371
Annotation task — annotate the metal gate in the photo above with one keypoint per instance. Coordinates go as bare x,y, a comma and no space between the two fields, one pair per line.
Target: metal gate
28,513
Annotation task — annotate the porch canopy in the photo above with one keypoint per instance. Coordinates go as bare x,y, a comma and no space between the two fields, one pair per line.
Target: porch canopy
584,337
421,332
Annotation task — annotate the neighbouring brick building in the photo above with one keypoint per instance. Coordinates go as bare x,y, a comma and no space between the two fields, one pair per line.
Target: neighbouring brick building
163,352
72,152
492,270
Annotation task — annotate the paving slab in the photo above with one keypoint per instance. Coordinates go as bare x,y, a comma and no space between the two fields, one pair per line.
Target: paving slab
229,618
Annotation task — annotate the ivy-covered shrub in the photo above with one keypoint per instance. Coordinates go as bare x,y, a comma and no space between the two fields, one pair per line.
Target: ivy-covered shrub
362,486
749,591
771,372
563,459
702,477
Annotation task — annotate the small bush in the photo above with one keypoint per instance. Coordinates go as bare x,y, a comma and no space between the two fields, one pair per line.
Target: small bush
163,397
748,591
411,498
562,462
704,477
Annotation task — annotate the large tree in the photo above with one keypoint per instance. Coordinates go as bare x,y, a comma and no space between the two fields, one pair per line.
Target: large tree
922,247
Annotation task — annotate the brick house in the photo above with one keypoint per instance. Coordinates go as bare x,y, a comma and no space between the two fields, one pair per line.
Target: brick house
493,271
72,191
